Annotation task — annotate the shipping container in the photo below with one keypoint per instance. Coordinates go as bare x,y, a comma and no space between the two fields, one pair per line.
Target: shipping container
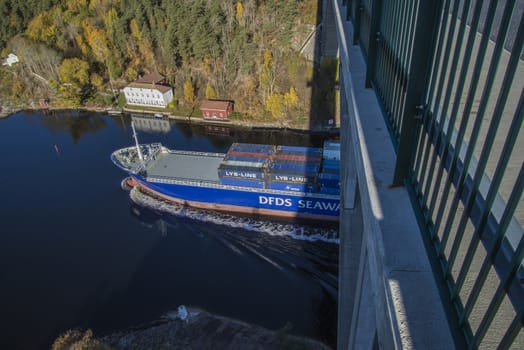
230,181
296,162
245,159
248,154
297,168
331,170
245,164
298,150
241,173
286,186
297,157
252,147
331,163
291,177
331,150
329,190
329,180
331,144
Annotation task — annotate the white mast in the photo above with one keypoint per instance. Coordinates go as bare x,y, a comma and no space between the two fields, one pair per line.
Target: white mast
140,156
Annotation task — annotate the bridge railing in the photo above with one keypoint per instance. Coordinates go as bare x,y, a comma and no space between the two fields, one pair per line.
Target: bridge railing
449,76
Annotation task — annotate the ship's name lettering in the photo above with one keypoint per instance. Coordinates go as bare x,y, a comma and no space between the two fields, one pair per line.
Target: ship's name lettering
305,204
276,201
241,174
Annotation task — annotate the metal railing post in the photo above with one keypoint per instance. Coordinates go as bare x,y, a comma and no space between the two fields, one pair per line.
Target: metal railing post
374,37
423,47
358,10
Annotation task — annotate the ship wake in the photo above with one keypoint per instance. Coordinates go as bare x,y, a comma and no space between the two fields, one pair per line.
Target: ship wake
293,230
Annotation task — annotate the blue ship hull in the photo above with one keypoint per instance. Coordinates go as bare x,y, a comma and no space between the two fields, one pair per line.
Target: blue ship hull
221,182
251,201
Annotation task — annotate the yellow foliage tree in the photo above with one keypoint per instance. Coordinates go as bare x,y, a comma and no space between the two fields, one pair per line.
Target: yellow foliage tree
97,80
74,75
267,75
240,14
43,28
97,40
210,92
84,47
74,71
135,31
110,18
291,97
189,91
275,105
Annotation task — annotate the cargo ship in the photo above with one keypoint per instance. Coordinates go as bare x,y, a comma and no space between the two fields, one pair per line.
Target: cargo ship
254,179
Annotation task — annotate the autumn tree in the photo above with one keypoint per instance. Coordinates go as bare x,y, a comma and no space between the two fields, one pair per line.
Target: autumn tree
240,14
43,28
74,76
267,75
189,91
210,92
291,98
275,105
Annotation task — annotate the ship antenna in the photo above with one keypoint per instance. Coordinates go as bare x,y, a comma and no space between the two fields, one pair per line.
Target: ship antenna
140,156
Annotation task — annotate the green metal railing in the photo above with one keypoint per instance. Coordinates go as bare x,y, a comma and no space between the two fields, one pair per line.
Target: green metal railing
450,77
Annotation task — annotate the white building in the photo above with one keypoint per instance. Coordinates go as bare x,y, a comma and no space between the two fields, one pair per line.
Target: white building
150,90
10,60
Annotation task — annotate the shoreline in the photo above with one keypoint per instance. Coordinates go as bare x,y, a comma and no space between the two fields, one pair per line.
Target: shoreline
191,328
6,112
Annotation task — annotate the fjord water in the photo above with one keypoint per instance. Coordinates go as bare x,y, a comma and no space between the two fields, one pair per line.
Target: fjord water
79,252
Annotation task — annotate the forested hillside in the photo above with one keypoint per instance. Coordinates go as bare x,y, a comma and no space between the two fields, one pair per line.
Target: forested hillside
246,50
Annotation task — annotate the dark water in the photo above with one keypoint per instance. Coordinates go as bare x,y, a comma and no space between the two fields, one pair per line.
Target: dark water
76,251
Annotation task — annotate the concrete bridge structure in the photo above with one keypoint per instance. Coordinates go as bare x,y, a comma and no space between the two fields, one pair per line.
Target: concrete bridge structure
431,245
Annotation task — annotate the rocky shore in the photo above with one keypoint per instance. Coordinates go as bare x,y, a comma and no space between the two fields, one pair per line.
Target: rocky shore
188,329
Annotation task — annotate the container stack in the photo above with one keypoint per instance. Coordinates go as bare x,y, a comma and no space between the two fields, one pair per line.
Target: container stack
245,165
294,168
329,177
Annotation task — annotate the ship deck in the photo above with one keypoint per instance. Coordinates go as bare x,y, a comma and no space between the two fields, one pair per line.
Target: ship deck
186,165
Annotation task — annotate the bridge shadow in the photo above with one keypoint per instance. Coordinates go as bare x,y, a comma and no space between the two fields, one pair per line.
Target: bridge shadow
324,84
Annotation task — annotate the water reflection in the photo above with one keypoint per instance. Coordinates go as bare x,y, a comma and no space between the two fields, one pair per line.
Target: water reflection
76,123
151,124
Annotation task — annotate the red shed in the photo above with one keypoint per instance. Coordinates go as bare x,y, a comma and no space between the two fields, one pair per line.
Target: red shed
213,109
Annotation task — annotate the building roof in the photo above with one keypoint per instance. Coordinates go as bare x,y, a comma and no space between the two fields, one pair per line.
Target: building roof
152,78
215,105
10,60
161,88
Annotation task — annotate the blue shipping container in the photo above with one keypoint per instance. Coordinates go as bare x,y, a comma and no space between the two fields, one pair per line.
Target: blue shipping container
329,190
331,163
335,171
290,177
252,147
329,180
241,173
242,182
299,150
301,168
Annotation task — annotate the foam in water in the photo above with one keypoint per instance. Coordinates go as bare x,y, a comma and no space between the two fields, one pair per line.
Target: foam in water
296,231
